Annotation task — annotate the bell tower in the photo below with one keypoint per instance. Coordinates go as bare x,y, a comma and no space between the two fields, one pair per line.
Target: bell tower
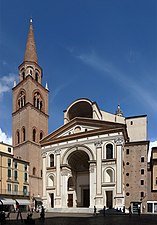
30,114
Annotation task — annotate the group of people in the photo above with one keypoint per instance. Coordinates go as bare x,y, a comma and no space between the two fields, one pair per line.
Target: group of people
30,214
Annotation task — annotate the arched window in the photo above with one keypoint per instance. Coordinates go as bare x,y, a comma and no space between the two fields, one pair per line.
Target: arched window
41,135
50,181
70,184
21,100
51,160
23,134
23,75
34,134
109,151
17,137
34,171
37,101
109,176
36,76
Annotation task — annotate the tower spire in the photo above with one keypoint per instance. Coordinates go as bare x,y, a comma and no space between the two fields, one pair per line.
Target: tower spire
30,53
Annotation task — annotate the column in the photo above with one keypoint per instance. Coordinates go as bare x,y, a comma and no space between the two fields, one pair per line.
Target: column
44,173
58,179
119,173
44,197
98,198
92,172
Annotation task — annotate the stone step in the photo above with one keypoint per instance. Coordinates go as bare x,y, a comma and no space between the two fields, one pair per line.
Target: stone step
70,210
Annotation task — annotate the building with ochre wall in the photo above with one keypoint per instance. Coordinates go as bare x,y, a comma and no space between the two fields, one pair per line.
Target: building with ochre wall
14,178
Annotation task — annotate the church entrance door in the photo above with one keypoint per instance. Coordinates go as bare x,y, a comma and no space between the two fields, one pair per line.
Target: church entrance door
78,183
109,201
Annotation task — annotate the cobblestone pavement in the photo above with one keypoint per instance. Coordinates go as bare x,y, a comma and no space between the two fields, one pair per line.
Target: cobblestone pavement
87,219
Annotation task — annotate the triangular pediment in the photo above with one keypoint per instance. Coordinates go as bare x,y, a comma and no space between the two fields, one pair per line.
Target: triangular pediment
81,127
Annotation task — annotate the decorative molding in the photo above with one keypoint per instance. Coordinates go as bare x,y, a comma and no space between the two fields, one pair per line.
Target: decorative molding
98,144
44,154
119,141
57,151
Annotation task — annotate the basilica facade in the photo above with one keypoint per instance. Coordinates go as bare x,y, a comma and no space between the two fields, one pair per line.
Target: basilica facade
89,160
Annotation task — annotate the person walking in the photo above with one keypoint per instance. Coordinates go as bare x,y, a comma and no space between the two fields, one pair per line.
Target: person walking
94,211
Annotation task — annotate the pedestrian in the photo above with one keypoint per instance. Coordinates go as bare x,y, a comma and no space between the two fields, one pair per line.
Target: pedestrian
104,210
130,210
94,211
42,214
19,213
139,210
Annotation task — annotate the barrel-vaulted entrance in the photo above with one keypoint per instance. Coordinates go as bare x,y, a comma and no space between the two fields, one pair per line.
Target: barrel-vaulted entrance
78,183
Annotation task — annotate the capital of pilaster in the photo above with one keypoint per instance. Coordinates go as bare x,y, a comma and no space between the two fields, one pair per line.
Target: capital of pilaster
57,151
43,154
119,141
98,144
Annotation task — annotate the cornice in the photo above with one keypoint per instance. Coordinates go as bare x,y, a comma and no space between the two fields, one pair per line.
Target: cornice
32,106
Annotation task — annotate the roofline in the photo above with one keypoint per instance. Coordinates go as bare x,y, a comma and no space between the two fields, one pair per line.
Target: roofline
84,134
6,144
131,117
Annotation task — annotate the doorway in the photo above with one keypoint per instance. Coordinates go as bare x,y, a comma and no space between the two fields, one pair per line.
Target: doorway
52,200
109,199
70,200
86,198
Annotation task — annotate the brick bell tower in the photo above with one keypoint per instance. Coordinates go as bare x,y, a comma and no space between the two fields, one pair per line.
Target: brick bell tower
30,115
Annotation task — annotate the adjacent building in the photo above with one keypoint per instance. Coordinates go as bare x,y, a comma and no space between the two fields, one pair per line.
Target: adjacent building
14,178
152,182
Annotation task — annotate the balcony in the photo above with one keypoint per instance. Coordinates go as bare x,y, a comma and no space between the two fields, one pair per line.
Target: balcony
14,193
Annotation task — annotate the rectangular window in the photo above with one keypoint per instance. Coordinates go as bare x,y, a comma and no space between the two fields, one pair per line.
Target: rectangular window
149,207
15,175
9,173
25,178
9,187
9,162
127,151
142,194
25,190
155,207
9,149
16,188
25,167
15,164
142,182
142,171
142,159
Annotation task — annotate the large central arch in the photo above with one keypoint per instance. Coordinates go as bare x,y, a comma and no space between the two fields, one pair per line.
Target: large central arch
77,158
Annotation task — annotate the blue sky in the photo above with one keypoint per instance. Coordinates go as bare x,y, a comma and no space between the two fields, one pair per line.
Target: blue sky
104,50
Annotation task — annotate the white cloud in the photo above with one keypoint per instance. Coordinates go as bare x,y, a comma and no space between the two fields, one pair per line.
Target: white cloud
151,145
4,138
6,83
144,95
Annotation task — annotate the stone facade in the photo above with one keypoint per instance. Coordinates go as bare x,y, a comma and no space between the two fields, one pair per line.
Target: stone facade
85,161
